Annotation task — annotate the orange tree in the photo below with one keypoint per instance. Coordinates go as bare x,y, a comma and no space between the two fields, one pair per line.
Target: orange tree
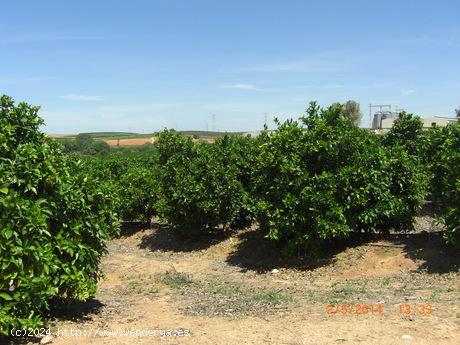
201,185
322,177
443,162
55,221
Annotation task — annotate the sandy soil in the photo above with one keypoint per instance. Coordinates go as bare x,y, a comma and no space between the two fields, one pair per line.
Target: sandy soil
238,289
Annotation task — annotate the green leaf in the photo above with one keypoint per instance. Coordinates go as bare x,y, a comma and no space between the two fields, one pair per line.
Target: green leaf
4,190
8,233
5,296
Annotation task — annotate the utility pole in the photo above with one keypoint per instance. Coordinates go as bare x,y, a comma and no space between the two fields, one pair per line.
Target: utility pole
370,115
213,122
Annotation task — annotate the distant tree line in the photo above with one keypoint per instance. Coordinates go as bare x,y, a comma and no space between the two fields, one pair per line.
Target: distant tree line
85,144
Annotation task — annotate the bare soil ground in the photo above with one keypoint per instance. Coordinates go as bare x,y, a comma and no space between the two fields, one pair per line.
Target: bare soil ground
129,142
237,288
142,141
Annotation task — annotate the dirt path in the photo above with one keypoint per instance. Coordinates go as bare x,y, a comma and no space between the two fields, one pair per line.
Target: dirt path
225,291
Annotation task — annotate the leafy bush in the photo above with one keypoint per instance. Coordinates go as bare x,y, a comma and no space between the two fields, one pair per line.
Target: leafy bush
54,221
236,154
138,191
84,143
131,179
322,177
434,139
443,152
184,202
201,184
452,215
407,132
98,147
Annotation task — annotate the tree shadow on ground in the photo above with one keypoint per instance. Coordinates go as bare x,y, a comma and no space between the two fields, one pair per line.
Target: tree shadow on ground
256,253
62,310
165,238
77,311
10,340
130,228
430,209
430,248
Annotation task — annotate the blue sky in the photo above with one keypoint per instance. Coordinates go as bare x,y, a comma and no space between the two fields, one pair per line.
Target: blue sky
145,65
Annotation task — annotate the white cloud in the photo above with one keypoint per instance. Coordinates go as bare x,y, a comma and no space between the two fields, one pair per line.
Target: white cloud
85,98
407,92
241,86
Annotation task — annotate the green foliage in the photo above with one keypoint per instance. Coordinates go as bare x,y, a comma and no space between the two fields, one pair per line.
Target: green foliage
97,148
138,191
450,159
54,221
452,215
434,139
131,178
85,144
443,152
437,154
203,185
235,156
83,140
323,177
407,131
69,145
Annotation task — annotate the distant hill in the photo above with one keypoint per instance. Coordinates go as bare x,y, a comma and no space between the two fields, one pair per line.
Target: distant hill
131,135
208,133
113,135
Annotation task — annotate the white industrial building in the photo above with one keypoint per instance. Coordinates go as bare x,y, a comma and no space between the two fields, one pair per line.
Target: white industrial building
383,121
428,122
